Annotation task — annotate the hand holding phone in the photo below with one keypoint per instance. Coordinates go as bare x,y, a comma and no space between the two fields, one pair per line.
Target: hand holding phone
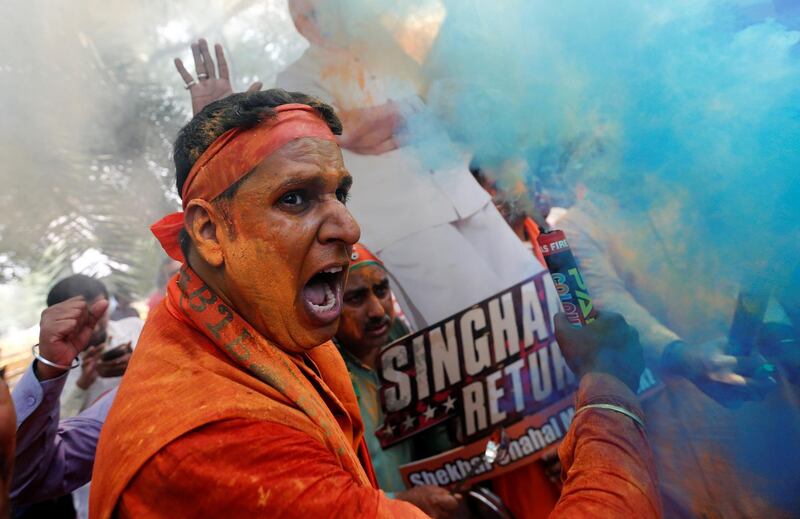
114,362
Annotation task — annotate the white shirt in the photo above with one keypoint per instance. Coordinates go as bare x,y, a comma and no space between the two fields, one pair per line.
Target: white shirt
394,195
74,399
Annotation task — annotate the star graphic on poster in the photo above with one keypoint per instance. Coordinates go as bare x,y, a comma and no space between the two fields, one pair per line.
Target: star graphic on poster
429,412
449,404
388,430
408,423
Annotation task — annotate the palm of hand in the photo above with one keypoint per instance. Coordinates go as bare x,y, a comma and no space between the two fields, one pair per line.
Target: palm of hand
213,80
208,91
707,361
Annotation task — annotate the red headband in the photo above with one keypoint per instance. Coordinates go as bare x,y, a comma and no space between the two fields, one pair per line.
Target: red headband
232,156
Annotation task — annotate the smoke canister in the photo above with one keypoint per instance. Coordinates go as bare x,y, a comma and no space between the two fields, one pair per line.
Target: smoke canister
575,300
751,305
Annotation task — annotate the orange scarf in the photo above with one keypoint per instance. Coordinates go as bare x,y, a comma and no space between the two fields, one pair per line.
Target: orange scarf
199,362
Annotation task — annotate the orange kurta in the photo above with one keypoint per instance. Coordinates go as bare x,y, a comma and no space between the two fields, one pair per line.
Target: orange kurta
606,460
607,464
212,420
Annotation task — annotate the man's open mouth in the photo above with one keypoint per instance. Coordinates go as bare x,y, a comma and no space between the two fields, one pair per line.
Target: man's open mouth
322,294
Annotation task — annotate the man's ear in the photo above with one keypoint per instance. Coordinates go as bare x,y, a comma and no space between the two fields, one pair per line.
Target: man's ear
205,224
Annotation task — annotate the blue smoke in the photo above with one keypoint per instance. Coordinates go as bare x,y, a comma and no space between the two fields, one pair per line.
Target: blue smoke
697,101
692,101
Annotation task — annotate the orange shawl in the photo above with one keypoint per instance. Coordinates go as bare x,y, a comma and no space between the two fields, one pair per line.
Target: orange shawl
198,362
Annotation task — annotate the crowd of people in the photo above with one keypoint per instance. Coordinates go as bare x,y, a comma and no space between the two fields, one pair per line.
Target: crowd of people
252,388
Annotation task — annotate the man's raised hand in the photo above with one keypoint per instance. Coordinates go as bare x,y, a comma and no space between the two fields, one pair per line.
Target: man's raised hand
608,345
212,84
64,332
728,379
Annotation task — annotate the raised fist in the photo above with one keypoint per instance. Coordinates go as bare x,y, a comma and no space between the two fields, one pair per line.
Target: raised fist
64,332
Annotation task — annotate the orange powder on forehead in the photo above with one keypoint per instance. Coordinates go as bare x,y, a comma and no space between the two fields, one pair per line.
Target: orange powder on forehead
234,154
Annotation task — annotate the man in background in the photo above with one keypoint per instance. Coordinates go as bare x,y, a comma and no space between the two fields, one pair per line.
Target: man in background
103,362
42,384
110,346
368,323
505,180
122,308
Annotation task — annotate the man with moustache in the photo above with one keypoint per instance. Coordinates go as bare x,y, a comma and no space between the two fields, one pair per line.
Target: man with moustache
368,323
96,376
236,403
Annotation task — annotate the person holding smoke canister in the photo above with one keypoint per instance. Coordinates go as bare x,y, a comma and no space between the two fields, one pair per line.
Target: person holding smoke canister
236,403
720,407
432,286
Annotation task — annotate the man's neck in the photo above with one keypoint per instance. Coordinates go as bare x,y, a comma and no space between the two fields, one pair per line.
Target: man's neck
215,279
367,357
210,276
370,359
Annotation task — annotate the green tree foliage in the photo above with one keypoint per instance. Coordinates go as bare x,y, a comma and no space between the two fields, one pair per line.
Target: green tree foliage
91,106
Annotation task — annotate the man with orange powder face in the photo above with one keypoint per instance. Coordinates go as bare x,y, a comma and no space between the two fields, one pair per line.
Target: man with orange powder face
236,403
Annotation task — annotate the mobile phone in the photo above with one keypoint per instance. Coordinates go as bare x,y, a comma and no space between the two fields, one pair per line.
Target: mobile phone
116,352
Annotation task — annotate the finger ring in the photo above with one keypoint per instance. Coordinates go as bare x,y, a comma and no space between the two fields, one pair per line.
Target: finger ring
190,84
202,75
